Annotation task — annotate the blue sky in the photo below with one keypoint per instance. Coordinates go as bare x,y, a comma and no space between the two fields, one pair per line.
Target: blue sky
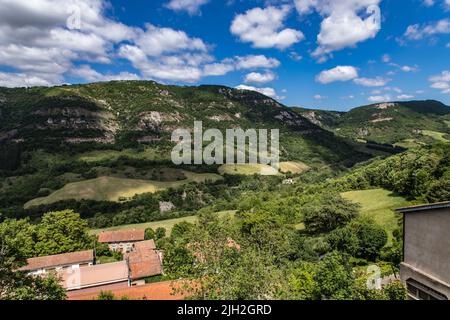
314,53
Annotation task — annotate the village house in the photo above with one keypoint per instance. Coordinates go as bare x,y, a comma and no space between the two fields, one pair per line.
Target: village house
144,261
122,240
79,273
101,276
426,253
73,260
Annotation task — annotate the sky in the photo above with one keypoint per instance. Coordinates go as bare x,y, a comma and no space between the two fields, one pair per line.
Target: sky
325,54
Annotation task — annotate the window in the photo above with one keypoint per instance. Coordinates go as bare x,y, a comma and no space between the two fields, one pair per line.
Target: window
419,291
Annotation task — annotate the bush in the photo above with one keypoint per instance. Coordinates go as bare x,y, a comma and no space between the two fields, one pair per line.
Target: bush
150,234
160,233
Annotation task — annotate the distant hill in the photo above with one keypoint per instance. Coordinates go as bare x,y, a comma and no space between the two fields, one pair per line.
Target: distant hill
405,124
323,118
127,113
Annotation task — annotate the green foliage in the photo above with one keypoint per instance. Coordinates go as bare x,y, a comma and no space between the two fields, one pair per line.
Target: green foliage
396,291
328,212
106,295
372,238
150,234
102,250
17,241
334,278
61,232
301,283
160,233
344,240
397,123
413,174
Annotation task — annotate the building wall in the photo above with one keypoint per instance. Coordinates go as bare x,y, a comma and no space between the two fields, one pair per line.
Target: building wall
47,270
427,242
123,247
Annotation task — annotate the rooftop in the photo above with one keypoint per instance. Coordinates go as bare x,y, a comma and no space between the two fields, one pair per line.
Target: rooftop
156,291
59,260
122,236
144,260
96,275
424,207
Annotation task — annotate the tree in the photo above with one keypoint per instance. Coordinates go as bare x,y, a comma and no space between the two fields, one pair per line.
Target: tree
149,234
372,238
61,232
301,283
344,240
334,278
160,233
16,241
181,230
328,212
16,244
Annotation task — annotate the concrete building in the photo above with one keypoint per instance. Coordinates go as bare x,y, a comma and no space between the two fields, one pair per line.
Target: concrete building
426,254
59,262
122,240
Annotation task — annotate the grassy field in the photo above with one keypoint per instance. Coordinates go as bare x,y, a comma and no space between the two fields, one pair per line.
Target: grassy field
166,224
114,188
247,169
102,155
380,205
262,169
408,143
293,167
439,136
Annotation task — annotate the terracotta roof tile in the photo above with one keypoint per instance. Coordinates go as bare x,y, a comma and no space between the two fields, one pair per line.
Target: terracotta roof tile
122,236
59,260
154,291
144,260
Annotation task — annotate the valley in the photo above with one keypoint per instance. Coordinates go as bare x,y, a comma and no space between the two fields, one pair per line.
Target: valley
100,159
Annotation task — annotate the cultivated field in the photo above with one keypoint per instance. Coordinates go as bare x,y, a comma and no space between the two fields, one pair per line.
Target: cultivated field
262,169
293,167
115,189
379,204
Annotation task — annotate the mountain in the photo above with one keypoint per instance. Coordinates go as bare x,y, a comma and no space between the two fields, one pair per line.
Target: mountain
127,113
406,124
323,118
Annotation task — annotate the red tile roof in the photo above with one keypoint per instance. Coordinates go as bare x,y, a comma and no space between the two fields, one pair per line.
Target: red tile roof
122,236
59,260
93,276
167,290
144,260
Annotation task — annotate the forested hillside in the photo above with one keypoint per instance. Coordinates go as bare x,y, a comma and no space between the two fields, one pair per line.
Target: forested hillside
405,124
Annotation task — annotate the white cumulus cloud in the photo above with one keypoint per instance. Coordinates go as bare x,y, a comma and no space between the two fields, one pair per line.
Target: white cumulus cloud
339,73
264,28
343,25
256,77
